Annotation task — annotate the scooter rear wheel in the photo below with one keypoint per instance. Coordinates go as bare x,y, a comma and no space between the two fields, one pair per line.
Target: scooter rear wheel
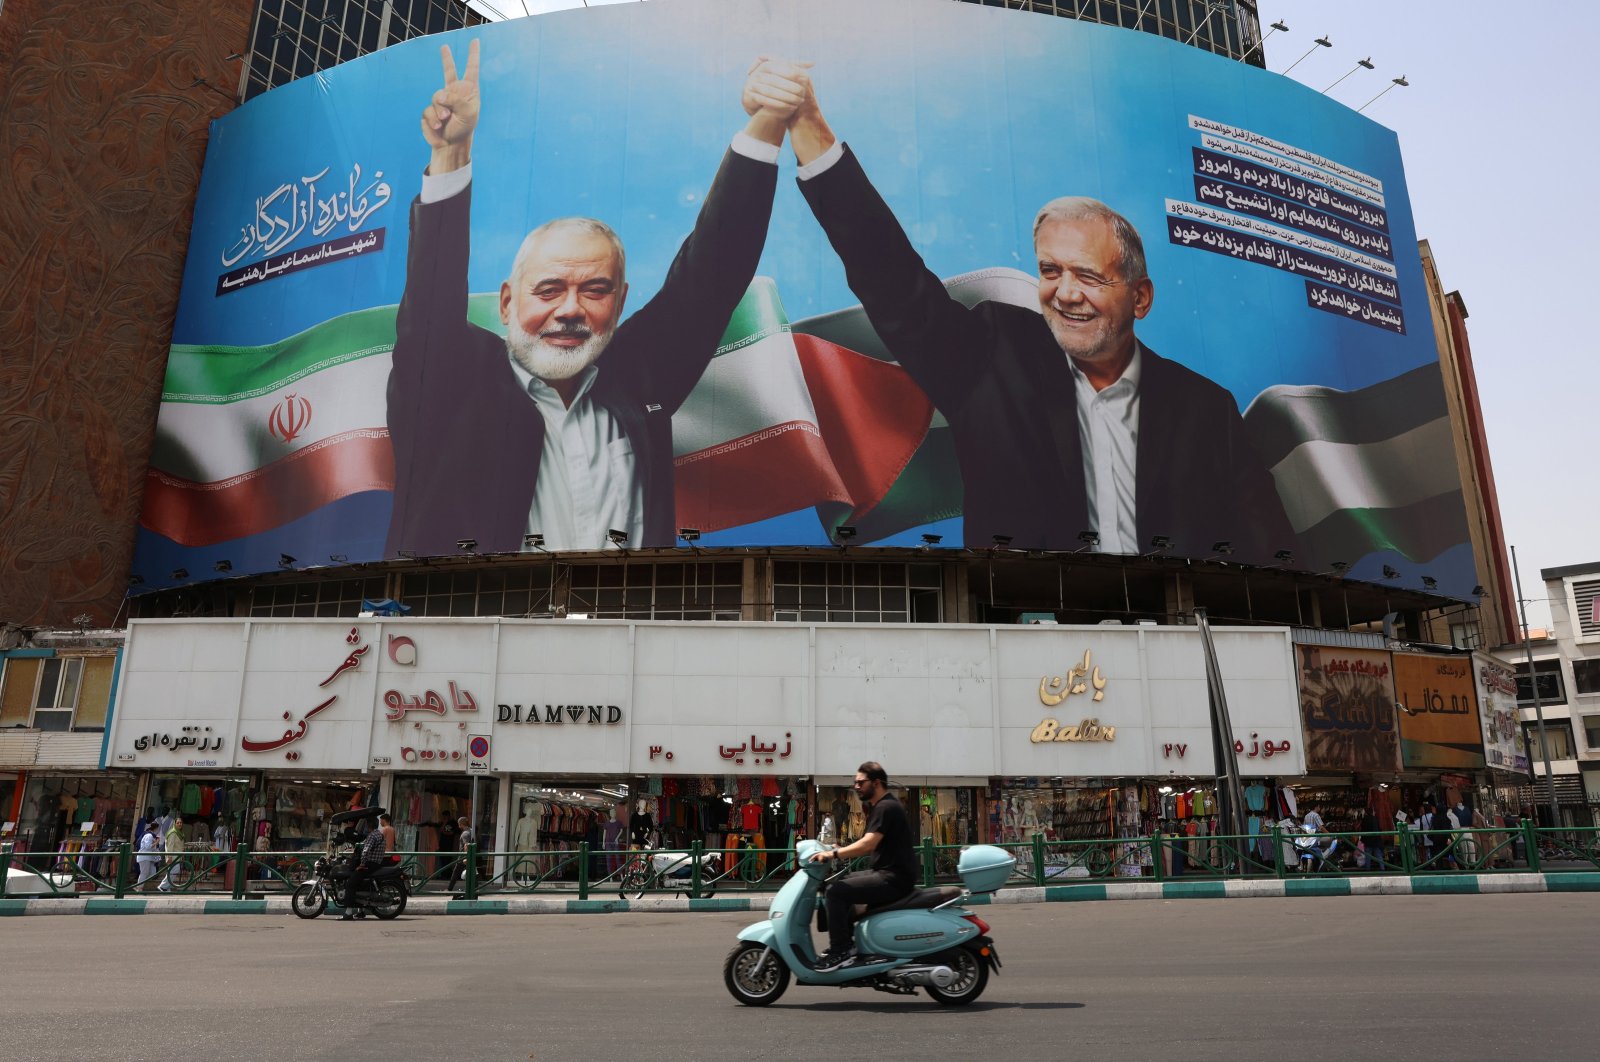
749,987
972,976
390,900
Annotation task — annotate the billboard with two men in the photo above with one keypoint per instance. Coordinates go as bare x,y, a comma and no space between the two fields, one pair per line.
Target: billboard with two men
768,269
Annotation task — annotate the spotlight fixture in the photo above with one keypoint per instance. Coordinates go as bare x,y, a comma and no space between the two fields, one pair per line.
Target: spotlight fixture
1160,544
467,545
1090,540
1390,573
844,532
180,574
135,580
286,561
617,538
1221,549
1430,583
1001,541
534,541
223,566
408,554
689,534
1283,556
931,540
1478,590
1340,567
338,558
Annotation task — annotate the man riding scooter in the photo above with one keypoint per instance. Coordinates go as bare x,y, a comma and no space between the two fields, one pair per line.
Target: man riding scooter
891,874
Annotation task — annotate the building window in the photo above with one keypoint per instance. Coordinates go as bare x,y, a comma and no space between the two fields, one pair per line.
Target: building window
1591,732
840,592
327,597
1586,610
1559,734
57,692
672,591
1586,676
1551,689
1466,635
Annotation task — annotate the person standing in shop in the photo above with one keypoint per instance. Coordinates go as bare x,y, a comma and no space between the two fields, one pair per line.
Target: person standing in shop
468,836
149,854
391,840
174,841
891,874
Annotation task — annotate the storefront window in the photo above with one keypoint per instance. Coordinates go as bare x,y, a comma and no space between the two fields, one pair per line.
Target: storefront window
69,815
426,810
298,809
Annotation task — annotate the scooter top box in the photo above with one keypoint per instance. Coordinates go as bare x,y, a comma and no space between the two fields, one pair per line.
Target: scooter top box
984,868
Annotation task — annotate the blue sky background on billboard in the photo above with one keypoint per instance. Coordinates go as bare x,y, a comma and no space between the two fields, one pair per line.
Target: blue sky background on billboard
946,130
1484,76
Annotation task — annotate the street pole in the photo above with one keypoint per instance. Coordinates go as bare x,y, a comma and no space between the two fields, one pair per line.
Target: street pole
1533,684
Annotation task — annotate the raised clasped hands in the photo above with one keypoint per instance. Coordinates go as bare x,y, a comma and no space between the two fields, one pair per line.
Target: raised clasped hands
452,113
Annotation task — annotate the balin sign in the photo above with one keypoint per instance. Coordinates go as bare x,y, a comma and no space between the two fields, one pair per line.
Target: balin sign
592,714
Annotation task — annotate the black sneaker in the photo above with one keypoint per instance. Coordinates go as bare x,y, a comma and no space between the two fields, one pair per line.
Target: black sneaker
835,959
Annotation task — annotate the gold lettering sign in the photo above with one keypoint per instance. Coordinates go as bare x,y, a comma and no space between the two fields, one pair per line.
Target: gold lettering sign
1088,730
1055,689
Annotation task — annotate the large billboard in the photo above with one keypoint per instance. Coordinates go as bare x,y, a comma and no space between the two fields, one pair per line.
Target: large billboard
1218,336
1437,699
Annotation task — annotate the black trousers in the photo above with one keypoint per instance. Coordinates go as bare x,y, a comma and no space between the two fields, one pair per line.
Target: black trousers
870,887
353,883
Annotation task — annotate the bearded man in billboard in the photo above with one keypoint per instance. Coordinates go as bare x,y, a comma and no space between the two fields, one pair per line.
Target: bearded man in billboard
562,428
1063,421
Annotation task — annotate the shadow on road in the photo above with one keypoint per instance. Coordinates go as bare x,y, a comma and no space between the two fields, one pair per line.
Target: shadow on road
920,1006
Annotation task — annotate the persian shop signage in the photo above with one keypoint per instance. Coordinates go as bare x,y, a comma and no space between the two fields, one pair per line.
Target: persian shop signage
1053,689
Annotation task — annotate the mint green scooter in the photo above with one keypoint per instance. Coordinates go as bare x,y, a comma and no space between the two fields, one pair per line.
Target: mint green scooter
924,940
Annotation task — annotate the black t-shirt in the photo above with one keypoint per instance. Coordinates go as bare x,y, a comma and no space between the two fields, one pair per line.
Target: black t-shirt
894,854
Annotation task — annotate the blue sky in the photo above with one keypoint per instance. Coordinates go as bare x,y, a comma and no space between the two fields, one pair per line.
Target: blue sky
1491,96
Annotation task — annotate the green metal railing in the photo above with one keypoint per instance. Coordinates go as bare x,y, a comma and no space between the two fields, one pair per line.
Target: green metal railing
699,872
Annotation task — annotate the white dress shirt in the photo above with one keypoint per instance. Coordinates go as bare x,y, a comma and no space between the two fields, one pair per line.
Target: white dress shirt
587,483
1108,428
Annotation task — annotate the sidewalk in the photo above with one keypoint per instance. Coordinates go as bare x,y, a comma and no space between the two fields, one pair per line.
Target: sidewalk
1398,885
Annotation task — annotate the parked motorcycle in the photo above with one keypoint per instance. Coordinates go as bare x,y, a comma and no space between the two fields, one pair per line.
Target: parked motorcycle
382,895
924,940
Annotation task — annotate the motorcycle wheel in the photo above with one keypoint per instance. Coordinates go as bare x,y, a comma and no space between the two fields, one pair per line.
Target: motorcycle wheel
635,882
744,984
308,901
389,901
972,976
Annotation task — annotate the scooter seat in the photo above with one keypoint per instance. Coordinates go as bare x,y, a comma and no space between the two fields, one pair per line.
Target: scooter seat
918,899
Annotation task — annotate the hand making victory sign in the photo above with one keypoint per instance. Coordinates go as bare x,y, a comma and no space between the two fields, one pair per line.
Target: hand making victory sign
452,114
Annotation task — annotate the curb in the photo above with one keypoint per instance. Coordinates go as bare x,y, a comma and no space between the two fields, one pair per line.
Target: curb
1397,885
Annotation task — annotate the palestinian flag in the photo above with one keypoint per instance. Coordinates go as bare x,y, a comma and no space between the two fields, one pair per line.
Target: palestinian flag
1366,471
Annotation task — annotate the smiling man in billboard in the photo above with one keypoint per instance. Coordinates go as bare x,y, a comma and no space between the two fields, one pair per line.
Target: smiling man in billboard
563,427
1110,438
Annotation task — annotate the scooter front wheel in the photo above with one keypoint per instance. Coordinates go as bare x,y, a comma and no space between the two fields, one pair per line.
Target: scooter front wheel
755,974
972,976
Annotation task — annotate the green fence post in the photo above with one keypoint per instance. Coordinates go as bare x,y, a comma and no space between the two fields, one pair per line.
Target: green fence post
5,866
927,862
241,869
1155,856
472,870
1408,851
583,870
696,850
1038,858
1530,841
1277,852
119,887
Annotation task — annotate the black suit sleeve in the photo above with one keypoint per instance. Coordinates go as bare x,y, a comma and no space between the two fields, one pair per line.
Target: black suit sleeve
942,344
439,358
681,326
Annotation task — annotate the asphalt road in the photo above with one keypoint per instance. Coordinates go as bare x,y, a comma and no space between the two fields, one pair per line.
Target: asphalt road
1393,978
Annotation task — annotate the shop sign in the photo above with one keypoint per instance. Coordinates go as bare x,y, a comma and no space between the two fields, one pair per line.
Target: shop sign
1347,706
190,737
554,714
756,752
351,662
1264,749
1053,689
1088,730
1437,696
